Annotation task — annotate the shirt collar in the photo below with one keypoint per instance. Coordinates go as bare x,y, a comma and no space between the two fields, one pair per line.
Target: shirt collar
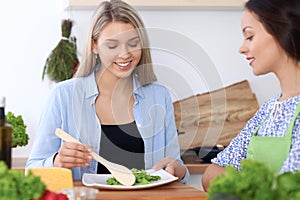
137,86
92,89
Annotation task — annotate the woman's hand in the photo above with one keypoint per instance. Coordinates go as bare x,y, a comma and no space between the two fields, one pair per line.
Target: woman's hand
73,155
171,166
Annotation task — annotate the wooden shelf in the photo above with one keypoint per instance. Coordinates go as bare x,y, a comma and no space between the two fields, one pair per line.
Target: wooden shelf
197,168
193,162
163,4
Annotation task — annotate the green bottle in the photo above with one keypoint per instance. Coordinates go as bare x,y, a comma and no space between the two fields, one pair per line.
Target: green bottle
5,136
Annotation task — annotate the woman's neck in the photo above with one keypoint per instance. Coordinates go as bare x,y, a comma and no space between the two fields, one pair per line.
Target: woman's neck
115,101
290,81
108,83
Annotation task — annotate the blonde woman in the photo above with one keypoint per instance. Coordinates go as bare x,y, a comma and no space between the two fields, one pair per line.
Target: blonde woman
113,104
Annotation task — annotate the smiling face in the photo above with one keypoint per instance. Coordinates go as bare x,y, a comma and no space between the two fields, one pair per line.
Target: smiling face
261,49
119,48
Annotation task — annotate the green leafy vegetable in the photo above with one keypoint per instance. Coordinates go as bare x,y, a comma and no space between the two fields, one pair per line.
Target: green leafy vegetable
141,177
19,135
14,185
288,185
255,181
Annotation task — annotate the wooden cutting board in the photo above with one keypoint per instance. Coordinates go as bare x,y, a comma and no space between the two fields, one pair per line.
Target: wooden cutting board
214,117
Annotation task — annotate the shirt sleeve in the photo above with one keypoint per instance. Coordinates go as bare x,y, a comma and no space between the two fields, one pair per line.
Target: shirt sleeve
172,143
46,143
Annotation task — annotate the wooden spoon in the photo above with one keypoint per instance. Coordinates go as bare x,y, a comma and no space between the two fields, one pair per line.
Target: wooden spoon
124,175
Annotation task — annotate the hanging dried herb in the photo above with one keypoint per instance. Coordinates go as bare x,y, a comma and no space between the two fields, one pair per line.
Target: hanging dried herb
62,63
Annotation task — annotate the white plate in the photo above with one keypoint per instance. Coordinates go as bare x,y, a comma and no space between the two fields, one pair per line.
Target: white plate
99,180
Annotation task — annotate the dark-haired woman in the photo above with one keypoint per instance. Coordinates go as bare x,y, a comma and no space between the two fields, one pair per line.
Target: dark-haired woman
271,31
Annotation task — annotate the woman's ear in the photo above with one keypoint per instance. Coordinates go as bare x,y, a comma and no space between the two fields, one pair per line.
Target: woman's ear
94,47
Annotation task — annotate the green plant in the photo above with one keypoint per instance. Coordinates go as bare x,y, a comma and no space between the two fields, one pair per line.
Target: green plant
62,62
19,135
14,185
255,181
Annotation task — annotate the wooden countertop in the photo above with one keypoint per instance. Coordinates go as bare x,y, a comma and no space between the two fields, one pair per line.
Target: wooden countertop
174,190
171,191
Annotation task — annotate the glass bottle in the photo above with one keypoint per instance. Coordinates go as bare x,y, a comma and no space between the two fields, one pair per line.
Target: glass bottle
5,136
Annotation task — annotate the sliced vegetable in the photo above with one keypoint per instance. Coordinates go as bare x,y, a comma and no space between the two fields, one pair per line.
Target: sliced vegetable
141,177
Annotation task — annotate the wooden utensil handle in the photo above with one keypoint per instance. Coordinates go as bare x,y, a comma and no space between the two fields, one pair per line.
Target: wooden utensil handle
65,136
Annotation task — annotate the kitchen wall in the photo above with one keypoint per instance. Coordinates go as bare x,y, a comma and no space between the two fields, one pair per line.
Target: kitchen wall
194,51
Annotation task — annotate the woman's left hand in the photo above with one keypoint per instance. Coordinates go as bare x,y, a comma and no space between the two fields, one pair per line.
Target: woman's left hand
171,166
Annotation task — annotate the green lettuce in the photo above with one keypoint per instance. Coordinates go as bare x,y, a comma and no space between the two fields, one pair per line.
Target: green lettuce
255,181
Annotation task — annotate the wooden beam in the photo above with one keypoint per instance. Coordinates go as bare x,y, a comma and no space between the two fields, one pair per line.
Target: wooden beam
163,4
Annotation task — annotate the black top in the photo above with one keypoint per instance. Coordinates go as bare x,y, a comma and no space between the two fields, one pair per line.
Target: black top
121,144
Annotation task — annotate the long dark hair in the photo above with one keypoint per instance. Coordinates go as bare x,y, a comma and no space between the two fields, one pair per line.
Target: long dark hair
281,18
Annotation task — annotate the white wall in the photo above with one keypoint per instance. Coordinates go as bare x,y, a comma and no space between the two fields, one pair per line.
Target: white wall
31,29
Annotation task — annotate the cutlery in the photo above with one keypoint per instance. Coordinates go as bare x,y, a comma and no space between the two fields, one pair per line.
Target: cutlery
124,175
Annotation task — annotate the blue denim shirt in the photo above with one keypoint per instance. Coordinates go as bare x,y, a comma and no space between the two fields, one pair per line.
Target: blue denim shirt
71,107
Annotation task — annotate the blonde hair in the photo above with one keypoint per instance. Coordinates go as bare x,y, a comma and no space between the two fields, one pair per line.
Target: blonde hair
117,11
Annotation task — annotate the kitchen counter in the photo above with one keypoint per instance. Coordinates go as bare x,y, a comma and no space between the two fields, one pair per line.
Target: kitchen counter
171,191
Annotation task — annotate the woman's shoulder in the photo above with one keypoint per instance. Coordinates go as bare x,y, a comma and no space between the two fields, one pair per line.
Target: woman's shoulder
66,84
76,81
154,90
264,109
270,102
155,86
